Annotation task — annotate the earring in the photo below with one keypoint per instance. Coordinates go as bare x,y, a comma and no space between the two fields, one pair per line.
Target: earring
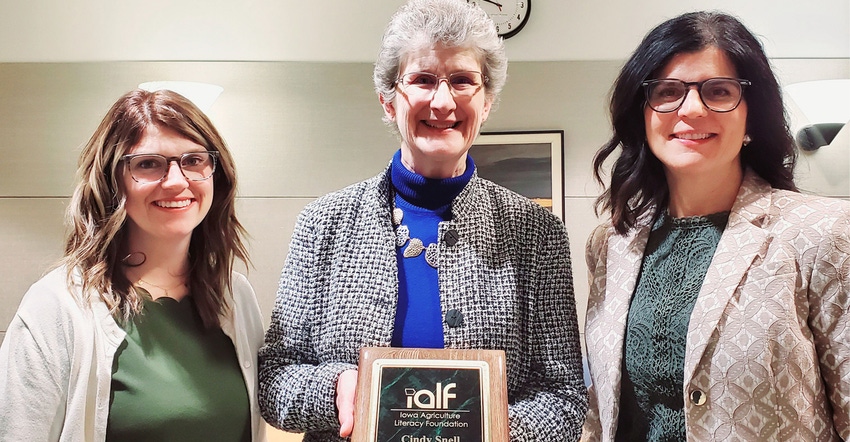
747,140
134,259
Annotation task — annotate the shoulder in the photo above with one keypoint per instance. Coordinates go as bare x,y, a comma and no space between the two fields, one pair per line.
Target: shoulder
353,198
798,220
517,208
596,248
54,315
51,296
805,211
245,301
241,287
605,243
606,233
244,297
787,200
757,200
599,237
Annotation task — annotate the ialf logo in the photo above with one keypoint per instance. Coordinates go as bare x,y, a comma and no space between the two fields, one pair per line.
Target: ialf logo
436,400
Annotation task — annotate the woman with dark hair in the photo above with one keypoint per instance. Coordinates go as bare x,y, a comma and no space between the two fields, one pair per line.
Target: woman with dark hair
426,253
718,293
144,332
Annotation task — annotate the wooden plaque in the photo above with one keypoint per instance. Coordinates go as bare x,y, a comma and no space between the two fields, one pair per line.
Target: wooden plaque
431,395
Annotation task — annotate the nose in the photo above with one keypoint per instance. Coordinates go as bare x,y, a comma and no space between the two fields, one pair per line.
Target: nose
174,176
443,100
692,105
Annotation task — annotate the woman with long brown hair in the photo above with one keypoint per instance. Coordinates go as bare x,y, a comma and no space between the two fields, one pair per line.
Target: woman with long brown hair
144,332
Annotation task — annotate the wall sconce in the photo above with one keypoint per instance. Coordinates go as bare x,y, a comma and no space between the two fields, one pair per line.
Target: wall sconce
825,107
202,94
815,136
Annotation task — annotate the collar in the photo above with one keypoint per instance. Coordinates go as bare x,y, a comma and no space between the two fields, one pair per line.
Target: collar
428,193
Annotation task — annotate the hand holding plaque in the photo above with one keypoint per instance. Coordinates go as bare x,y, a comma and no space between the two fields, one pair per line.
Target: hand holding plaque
431,395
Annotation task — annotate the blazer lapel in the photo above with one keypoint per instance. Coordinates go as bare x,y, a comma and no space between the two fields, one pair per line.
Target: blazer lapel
625,254
742,241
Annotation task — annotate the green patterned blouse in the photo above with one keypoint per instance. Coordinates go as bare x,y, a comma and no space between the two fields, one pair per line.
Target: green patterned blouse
677,256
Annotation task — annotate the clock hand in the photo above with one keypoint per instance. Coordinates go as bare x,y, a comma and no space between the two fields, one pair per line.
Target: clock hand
497,4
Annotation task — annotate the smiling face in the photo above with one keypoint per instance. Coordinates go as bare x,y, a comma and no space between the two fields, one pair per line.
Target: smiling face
170,209
694,141
438,130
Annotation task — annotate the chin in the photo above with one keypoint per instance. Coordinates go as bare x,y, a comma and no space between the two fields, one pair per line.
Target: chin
446,145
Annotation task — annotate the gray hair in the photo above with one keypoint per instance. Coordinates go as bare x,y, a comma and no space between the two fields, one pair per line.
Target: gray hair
454,23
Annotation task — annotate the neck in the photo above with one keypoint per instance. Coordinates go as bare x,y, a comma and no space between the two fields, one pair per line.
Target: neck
431,168
704,195
165,270
427,193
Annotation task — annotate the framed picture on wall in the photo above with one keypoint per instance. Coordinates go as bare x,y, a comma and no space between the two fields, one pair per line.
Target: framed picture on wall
529,163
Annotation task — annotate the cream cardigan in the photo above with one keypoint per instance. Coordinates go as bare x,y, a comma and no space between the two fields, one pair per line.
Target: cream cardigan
56,361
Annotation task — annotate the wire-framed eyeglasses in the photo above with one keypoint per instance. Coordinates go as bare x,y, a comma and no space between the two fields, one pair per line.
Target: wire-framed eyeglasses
718,94
152,168
424,84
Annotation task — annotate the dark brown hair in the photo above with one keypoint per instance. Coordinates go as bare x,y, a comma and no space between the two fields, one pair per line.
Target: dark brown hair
638,183
96,215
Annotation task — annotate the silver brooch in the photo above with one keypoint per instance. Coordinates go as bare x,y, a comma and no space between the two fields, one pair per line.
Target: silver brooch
414,248
402,234
414,245
432,257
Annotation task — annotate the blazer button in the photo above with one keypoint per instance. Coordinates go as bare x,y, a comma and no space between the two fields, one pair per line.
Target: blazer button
451,237
698,397
454,318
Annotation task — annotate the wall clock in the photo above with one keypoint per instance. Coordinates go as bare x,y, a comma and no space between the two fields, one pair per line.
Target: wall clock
509,15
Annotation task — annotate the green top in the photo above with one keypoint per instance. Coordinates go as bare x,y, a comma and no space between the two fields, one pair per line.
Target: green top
677,256
174,380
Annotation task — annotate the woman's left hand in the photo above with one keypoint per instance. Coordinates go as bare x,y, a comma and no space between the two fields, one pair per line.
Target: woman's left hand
346,386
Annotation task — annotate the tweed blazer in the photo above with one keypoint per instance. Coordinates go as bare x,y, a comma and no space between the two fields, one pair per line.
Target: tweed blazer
768,348
508,274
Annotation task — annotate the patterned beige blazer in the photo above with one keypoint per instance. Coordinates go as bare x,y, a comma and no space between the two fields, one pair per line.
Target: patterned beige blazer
768,347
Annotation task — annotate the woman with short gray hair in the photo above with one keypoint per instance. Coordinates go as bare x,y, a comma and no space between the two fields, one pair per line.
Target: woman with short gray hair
427,254
419,24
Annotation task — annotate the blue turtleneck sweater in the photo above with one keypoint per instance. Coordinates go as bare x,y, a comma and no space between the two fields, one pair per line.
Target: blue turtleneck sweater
425,202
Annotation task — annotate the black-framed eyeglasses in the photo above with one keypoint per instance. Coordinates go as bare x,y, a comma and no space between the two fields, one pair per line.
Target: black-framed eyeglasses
152,168
424,84
718,94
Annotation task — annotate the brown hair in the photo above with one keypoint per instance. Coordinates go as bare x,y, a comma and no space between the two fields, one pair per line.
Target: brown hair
96,215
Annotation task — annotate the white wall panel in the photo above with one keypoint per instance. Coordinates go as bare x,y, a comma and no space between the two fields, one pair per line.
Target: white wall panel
269,222
333,30
30,243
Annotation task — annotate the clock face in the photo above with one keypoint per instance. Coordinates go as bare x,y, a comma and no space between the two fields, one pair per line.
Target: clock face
508,15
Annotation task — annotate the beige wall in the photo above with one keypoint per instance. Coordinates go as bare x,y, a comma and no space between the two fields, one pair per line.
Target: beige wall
298,130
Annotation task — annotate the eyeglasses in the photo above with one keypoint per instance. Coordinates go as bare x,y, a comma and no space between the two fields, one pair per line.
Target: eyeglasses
424,84
152,168
717,94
